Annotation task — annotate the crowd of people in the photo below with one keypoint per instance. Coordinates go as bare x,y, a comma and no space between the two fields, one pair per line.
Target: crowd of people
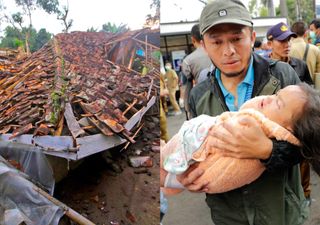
229,67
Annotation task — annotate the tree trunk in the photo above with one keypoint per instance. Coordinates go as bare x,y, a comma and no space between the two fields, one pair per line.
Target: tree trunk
298,10
271,10
27,43
28,32
314,9
283,8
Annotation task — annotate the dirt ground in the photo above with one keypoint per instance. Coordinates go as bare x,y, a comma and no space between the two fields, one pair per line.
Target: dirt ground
113,192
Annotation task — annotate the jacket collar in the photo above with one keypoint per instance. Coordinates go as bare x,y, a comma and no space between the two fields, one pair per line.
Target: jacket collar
262,74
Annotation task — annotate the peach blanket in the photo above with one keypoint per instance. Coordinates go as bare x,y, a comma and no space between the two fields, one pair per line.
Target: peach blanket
223,173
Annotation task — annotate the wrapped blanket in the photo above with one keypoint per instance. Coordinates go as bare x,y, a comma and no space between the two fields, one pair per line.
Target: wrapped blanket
223,173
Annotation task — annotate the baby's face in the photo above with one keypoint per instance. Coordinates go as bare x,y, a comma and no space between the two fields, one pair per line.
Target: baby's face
282,108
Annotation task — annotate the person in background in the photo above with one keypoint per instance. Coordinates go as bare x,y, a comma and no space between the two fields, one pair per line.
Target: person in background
182,85
311,55
259,50
163,206
276,197
304,51
314,32
279,37
172,85
163,120
163,199
266,47
194,63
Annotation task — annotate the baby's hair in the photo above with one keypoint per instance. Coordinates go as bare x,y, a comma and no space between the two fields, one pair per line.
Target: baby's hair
307,127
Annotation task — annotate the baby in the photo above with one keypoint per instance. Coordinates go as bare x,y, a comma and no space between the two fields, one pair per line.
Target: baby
292,114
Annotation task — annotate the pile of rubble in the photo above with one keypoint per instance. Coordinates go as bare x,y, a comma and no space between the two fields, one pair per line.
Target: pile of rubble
79,84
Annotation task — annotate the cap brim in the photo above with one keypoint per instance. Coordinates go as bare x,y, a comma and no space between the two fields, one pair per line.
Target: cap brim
234,21
285,36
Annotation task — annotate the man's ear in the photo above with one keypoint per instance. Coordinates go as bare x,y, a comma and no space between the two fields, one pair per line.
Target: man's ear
193,41
253,38
203,45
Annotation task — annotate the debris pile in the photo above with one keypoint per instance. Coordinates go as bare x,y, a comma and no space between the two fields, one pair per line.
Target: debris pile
78,84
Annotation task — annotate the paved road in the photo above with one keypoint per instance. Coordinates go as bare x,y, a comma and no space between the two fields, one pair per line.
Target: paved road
190,209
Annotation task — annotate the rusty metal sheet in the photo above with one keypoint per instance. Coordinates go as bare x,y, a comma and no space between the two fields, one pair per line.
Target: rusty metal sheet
96,143
73,124
136,118
60,146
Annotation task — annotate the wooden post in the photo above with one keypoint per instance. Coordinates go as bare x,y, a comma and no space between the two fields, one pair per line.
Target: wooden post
146,50
73,215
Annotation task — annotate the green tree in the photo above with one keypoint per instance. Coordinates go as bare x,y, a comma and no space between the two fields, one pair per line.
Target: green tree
14,38
153,19
253,5
92,29
263,12
49,6
113,28
41,39
63,16
28,6
300,10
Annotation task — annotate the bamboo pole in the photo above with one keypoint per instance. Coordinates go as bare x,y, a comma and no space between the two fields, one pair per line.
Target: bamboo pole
130,106
150,45
133,53
146,43
73,215
134,135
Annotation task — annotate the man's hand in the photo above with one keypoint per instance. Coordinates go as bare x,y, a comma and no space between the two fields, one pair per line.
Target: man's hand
188,177
247,142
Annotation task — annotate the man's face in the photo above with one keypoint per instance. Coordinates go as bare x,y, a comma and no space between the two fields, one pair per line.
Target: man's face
313,28
280,49
229,46
283,108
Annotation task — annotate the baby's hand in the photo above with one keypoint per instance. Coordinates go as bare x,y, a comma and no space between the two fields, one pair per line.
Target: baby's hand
244,141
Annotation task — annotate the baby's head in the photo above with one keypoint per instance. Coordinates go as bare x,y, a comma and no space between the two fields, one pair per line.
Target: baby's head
297,108
284,108
306,127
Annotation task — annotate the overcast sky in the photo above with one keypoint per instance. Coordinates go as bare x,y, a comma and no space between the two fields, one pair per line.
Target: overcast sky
91,13
184,10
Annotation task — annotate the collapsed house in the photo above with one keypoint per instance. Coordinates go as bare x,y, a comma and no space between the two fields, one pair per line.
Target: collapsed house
81,93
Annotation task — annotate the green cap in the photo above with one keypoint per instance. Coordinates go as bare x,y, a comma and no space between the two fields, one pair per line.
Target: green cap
224,11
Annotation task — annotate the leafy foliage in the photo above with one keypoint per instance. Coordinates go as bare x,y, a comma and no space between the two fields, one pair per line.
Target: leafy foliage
17,18
113,28
50,6
14,38
92,29
151,20
304,13
41,38
63,15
